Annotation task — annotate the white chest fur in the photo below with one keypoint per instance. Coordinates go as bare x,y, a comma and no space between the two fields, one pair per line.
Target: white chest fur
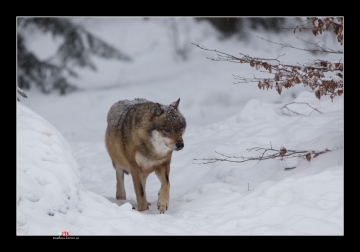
147,163
159,147
159,143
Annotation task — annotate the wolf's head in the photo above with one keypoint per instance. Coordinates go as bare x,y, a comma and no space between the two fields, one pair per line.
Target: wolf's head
168,127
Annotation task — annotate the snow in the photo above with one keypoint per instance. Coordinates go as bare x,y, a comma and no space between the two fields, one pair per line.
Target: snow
66,182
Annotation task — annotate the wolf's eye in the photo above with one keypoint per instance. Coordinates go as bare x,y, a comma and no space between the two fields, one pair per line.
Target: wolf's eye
167,130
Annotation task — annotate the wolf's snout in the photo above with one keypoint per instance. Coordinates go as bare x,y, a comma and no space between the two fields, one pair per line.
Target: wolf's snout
179,145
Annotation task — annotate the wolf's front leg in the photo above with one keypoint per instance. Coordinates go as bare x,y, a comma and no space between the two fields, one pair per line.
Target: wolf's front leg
145,175
139,186
162,172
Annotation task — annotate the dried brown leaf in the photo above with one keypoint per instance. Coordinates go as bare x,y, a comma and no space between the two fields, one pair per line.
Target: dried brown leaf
288,84
341,67
278,88
308,157
265,65
314,31
340,75
266,85
283,151
313,22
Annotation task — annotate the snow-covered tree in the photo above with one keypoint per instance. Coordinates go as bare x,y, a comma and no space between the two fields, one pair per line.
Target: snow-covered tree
76,50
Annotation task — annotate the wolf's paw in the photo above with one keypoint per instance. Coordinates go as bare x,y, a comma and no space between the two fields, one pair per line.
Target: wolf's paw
162,206
140,209
143,206
149,204
121,197
134,208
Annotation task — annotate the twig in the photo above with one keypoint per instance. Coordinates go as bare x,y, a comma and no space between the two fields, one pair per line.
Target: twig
290,110
303,49
287,76
274,153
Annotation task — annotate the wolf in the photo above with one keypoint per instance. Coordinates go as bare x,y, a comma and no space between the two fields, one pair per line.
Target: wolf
140,138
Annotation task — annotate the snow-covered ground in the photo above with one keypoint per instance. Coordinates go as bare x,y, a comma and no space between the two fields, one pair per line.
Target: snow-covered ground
65,180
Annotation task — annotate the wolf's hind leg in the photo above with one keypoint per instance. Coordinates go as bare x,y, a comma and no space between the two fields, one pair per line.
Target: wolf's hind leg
120,187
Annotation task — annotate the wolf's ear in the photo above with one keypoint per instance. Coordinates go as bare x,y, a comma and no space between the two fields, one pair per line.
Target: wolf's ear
175,104
157,109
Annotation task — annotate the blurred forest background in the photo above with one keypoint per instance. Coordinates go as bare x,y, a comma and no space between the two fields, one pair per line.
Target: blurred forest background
76,46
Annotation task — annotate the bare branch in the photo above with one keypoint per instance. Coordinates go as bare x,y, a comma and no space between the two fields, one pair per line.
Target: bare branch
320,49
327,50
221,56
292,111
267,153
287,76
318,25
311,74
